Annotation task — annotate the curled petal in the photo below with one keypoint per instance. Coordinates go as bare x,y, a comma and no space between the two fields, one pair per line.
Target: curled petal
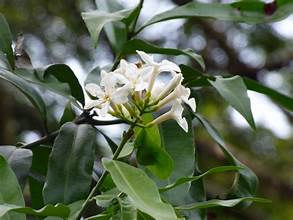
146,58
167,66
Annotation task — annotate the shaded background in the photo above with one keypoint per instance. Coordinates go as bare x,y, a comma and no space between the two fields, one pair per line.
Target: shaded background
55,33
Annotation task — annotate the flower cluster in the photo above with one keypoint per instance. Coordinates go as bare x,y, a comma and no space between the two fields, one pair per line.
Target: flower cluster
134,89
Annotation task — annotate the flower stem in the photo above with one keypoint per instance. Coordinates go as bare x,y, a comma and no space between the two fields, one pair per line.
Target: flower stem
126,136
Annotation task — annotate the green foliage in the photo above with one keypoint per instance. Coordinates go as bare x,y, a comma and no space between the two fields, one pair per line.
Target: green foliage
234,91
6,40
10,192
70,164
140,188
20,160
158,175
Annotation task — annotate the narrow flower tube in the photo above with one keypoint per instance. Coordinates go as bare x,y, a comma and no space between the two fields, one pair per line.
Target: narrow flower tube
174,82
180,92
174,113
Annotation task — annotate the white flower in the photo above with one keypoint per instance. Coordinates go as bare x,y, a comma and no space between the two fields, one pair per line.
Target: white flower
172,84
180,93
164,66
174,113
130,74
108,93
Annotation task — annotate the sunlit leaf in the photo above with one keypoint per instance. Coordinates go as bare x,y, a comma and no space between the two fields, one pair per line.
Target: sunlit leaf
234,91
142,191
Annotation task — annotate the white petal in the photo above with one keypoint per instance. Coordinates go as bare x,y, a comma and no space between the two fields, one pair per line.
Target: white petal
183,124
104,109
120,96
168,66
146,58
192,104
140,86
94,90
91,104
173,83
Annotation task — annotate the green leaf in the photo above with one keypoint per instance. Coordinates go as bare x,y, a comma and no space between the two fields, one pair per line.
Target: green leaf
193,77
6,40
221,203
131,46
150,152
195,178
70,164
246,182
99,217
64,74
93,76
10,191
182,150
234,91
68,114
115,31
49,210
142,191
96,20
127,211
75,209
20,160
283,100
39,168
105,199
25,87
252,12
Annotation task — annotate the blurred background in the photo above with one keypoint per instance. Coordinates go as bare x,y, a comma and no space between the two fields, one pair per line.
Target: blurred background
55,33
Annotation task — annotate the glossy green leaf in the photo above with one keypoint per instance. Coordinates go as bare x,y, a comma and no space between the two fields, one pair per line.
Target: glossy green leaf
142,191
131,46
244,11
143,216
75,208
68,114
96,20
10,192
234,91
6,40
221,203
20,160
25,87
151,153
182,150
38,175
64,74
282,100
246,182
70,164
193,77
39,79
49,210
195,178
